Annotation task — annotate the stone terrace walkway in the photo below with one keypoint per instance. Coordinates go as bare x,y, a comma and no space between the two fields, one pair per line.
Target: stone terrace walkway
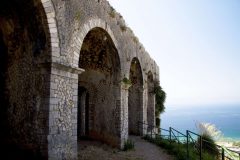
92,150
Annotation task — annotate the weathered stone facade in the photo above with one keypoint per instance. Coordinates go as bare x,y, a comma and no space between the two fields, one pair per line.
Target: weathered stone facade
62,66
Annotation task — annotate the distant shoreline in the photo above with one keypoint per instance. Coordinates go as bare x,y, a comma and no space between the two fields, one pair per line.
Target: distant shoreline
229,145
225,117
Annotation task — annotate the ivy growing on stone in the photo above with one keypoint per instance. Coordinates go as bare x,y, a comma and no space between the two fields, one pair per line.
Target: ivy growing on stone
160,97
123,28
128,145
112,13
126,81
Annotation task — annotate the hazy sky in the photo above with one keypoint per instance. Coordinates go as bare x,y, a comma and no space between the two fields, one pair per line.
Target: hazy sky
196,43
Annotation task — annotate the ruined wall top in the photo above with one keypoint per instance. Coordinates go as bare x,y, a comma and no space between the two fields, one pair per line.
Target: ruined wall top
75,18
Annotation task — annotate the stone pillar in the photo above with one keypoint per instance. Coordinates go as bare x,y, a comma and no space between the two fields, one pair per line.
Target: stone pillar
151,110
151,102
143,117
124,113
62,136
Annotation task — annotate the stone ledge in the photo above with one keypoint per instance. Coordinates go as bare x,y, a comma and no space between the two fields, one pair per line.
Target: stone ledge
61,67
70,69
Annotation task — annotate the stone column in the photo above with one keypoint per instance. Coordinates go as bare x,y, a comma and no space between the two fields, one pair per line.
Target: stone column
142,118
62,136
124,113
150,105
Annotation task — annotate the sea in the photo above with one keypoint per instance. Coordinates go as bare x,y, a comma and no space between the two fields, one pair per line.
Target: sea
226,118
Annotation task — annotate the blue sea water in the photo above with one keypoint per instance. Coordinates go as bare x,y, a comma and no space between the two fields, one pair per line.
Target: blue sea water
225,117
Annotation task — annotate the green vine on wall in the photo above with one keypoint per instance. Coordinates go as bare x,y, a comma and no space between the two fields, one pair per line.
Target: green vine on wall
123,27
112,13
160,97
127,81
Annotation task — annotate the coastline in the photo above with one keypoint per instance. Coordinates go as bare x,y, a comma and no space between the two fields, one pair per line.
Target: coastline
225,117
230,144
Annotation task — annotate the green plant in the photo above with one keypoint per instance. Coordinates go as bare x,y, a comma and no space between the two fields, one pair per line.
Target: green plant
209,129
160,96
209,146
128,145
123,28
126,81
158,122
112,13
173,148
178,150
209,133
135,39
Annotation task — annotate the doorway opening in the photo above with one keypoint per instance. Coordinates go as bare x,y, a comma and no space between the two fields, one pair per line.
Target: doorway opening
83,113
99,88
135,98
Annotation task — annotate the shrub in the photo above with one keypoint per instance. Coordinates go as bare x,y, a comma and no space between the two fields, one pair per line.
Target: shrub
178,150
126,81
112,13
135,39
160,96
209,129
209,145
123,28
157,122
209,134
128,145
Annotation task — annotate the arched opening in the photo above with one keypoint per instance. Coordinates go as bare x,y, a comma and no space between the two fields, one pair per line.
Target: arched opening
150,101
83,113
23,43
135,98
99,58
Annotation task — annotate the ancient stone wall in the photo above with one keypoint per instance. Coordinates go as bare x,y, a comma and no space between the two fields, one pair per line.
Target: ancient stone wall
24,44
54,48
150,102
62,137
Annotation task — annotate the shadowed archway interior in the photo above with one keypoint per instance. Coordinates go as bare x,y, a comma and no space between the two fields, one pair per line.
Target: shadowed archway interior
83,113
135,98
150,101
99,58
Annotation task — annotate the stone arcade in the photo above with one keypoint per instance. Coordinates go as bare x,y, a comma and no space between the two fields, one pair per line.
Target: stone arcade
62,65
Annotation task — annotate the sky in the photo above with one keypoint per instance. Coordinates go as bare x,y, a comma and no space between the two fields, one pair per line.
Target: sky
196,44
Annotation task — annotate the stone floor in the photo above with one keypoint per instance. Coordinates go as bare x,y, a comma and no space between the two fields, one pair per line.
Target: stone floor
92,150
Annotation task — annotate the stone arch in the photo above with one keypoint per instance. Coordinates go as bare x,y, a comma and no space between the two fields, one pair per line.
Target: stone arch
80,34
28,38
52,26
132,56
135,98
100,60
150,100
